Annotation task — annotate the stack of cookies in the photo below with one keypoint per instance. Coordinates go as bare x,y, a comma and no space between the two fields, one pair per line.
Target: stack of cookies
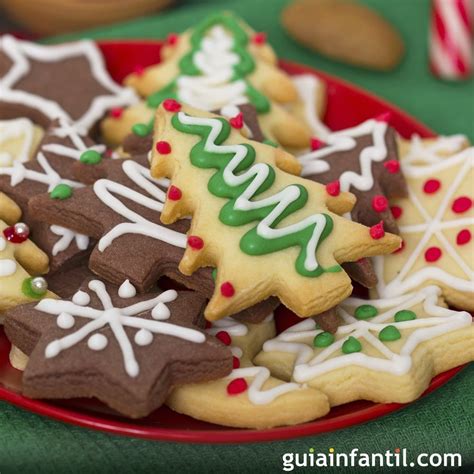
150,231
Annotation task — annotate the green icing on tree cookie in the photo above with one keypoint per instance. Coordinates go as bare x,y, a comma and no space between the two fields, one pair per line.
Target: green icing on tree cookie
389,333
365,311
404,315
323,339
351,344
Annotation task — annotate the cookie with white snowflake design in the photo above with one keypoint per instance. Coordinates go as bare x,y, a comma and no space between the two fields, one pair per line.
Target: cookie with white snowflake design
386,350
436,224
19,140
68,81
219,62
249,397
107,342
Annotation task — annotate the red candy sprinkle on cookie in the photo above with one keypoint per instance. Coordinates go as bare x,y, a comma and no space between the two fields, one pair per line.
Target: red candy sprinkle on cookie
237,121
237,386
172,39
174,193
235,362
227,289
461,204
463,237
379,203
195,242
377,231
433,254
316,144
334,188
171,105
116,112
397,211
392,166
163,148
17,234
259,38
431,186
224,337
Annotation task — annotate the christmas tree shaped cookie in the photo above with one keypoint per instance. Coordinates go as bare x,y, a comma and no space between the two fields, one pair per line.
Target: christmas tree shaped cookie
386,350
220,62
267,232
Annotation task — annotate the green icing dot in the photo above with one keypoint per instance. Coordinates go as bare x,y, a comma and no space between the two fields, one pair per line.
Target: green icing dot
91,157
61,191
404,315
267,141
365,311
29,291
323,339
140,129
389,333
351,345
214,274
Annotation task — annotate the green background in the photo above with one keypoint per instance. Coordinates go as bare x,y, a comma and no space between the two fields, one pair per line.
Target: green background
440,422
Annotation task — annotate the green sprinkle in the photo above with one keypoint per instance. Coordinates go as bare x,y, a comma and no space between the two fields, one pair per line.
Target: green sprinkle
267,141
365,311
140,129
389,333
90,157
404,315
323,339
28,290
351,345
214,274
61,191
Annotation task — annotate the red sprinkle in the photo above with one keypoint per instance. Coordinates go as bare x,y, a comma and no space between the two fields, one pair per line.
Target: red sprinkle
431,186
377,231
316,144
392,166
227,289
224,337
397,211
235,362
461,204
138,70
174,193
384,117
433,254
195,242
172,39
171,105
237,121
237,386
116,112
259,38
379,203
463,237
334,188
162,147
13,237
402,246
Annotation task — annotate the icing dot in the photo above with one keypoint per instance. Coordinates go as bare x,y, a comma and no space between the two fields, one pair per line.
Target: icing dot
227,289
431,186
323,339
259,38
143,337
160,311
402,246
235,362
432,254
3,244
163,147
61,191
171,105
81,298
351,344
237,121
379,203
392,166
127,290
334,188
17,233
384,117
7,267
174,193
461,204
52,349
389,333
377,231
116,112
195,242
138,70
365,311
224,337
172,39
463,237
316,144
404,315
90,157
140,129
97,342
65,321
397,211
237,386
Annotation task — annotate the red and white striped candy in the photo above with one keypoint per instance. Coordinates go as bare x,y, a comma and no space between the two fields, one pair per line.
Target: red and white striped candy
451,38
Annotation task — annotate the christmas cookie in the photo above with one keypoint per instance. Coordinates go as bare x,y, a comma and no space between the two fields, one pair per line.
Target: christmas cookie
107,342
436,224
249,397
256,256
66,81
52,171
19,140
218,63
386,350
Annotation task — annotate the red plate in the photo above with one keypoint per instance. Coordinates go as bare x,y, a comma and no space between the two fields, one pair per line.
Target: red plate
347,106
